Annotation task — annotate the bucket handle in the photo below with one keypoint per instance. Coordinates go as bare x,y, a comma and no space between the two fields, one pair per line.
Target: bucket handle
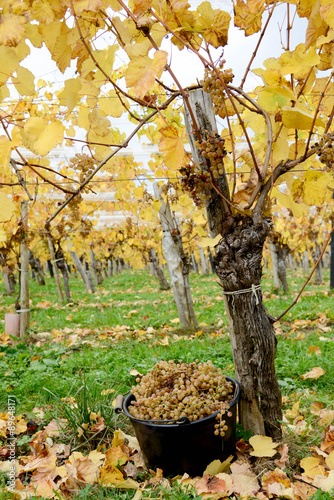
119,409
119,404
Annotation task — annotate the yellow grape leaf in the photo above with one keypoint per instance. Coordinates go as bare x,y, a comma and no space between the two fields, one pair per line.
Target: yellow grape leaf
82,5
141,6
330,460
112,105
3,237
217,466
11,29
312,467
298,209
5,150
263,446
198,218
299,119
298,61
24,81
39,137
141,72
69,96
214,24
32,33
245,19
7,208
316,372
271,96
4,92
175,320
210,242
171,145
185,201
315,186
9,63
327,12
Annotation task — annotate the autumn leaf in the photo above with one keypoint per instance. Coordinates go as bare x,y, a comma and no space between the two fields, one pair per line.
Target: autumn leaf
172,147
7,208
312,467
141,72
210,242
40,137
5,150
213,24
263,446
298,118
315,373
24,81
247,20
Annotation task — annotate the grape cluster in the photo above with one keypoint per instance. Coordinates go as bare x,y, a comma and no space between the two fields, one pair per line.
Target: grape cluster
84,163
196,182
212,84
173,390
213,149
325,150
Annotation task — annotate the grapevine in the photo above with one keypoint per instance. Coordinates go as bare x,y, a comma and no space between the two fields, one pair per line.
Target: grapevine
172,390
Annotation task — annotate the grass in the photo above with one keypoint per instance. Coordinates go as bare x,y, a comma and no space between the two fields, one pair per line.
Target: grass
99,338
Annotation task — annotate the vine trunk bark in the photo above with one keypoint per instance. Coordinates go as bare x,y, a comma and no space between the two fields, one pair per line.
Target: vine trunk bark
252,335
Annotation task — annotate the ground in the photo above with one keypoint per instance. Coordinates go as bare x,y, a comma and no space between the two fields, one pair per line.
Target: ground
83,354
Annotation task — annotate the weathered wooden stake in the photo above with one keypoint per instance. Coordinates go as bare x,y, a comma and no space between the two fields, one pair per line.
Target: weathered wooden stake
24,292
178,269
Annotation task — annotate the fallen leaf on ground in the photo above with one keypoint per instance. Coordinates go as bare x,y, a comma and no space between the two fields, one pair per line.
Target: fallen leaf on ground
312,467
263,446
315,373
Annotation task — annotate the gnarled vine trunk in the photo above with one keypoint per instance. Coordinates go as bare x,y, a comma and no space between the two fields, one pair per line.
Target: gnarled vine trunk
163,283
238,266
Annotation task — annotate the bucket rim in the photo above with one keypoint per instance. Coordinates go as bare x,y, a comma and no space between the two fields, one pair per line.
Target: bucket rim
166,425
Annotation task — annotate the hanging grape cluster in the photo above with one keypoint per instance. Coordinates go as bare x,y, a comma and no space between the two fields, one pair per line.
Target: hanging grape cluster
172,390
212,84
325,150
213,149
197,181
83,163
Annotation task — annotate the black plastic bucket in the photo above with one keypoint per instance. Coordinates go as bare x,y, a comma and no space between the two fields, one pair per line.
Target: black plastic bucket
184,447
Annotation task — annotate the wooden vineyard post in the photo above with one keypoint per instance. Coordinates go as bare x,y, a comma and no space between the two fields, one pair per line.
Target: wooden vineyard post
177,265
81,270
24,291
54,266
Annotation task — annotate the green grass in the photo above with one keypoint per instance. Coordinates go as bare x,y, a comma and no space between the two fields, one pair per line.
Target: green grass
102,355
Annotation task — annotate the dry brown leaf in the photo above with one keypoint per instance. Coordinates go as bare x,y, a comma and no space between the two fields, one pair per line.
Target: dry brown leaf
209,484
315,373
284,460
325,483
326,417
55,427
